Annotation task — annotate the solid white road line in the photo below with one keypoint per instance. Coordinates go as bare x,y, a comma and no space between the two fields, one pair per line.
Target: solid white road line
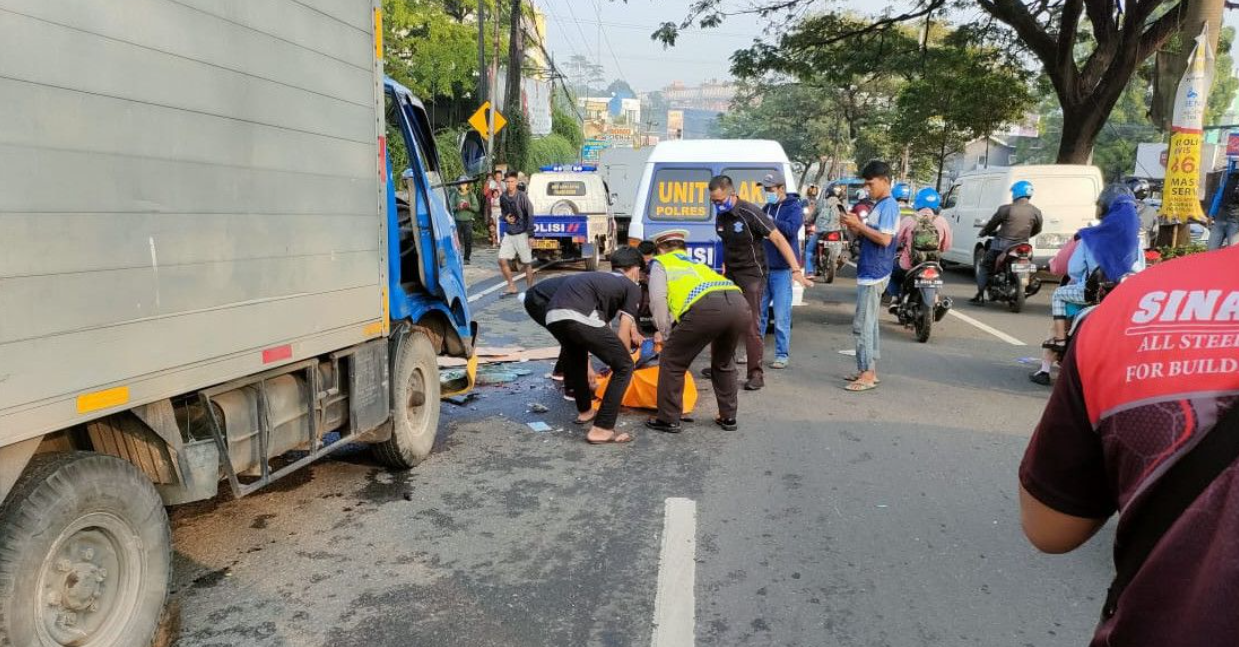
675,604
986,328
502,284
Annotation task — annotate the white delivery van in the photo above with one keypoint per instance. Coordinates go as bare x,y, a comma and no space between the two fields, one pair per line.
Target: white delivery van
674,193
1065,193
571,215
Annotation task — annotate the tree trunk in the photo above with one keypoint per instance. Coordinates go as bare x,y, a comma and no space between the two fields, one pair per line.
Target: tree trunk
1085,111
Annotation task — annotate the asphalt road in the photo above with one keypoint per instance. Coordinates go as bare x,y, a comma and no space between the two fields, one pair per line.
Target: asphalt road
830,518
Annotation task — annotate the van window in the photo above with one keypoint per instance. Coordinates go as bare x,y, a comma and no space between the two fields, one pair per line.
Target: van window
951,198
969,194
565,189
1065,191
679,194
747,182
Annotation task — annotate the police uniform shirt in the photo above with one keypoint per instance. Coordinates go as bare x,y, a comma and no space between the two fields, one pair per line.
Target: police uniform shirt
742,230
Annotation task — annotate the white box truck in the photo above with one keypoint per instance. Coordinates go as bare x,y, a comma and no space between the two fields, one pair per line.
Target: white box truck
225,254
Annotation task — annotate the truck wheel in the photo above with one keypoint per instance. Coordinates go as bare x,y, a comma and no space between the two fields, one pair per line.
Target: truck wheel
415,400
85,554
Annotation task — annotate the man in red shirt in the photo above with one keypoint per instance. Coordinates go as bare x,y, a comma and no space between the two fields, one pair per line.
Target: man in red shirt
1149,375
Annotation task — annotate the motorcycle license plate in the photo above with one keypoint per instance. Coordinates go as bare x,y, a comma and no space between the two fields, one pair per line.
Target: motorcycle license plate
1023,268
929,283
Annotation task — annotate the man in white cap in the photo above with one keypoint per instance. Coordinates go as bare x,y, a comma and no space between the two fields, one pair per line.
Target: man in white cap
706,310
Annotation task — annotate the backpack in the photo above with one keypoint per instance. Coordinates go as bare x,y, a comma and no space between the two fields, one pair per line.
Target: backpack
926,242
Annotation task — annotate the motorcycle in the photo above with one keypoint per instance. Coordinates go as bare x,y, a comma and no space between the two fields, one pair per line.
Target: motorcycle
828,257
1014,276
920,303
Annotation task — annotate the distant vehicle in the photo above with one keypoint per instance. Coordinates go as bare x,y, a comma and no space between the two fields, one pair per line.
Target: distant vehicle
853,186
572,215
1066,194
674,192
250,267
622,169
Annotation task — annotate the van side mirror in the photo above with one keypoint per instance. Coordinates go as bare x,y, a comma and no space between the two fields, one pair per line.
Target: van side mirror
473,152
612,198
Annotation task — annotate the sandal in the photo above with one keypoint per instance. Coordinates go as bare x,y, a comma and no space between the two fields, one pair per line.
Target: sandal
856,377
615,438
858,386
585,421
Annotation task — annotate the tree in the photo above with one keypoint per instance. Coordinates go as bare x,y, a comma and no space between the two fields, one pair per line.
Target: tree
584,74
620,87
788,113
428,50
1088,74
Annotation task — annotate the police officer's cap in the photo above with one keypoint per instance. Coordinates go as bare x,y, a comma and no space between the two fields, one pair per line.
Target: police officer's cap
670,236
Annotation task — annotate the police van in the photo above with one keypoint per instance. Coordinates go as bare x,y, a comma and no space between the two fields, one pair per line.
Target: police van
572,217
674,189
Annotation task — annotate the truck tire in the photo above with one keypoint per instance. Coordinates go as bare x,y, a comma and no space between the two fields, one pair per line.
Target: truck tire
415,404
85,554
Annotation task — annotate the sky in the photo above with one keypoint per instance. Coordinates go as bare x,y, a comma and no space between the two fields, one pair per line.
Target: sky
628,53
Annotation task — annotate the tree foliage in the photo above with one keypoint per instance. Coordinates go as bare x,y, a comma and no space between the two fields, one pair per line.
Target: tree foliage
790,113
429,50
1087,65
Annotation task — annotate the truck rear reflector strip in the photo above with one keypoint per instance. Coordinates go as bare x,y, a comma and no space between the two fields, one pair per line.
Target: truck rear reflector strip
88,402
378,34
373,330
277,354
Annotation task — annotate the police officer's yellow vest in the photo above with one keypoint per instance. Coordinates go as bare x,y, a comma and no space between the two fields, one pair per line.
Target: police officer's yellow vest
687,282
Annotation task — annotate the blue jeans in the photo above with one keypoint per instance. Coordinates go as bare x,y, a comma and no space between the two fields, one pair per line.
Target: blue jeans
810,251
865,324
778,291
1223,232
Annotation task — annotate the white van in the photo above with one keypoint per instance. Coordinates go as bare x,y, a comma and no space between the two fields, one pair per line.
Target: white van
674,194
571,215
1065,193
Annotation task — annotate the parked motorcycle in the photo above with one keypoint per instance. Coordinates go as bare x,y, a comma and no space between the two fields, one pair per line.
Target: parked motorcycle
828,257
920,302
1014,276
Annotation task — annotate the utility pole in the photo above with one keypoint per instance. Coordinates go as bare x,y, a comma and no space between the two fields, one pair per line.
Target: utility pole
516,51
493,94
482,83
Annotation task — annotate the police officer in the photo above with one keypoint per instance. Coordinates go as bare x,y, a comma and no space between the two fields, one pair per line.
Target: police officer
707,309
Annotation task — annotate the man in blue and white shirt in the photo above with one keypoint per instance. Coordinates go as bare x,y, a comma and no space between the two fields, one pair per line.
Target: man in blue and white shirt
873,269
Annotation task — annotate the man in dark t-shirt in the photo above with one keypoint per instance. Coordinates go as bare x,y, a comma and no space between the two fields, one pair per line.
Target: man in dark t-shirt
1150,373
743,227
579,316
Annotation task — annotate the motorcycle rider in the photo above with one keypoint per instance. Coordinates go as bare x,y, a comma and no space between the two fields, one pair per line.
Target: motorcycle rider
828,209
1011,225
1147,212
903,197
1111,247
927,211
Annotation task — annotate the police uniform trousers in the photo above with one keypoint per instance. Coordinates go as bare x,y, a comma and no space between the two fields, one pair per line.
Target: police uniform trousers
718,320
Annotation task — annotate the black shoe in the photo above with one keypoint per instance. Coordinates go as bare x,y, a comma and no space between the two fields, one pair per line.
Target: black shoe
706,373
659,425
886,299
728,424
1040,377
754,384
979,299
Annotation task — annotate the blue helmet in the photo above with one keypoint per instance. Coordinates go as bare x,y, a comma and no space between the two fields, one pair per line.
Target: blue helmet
927,198
1021,189
902,192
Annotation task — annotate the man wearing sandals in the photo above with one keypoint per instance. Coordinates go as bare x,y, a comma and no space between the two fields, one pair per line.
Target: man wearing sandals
579,316
708,310
873,270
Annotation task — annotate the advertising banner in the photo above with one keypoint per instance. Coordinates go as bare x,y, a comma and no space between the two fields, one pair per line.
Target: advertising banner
1181,193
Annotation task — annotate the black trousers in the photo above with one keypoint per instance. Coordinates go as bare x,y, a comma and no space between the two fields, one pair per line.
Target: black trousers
720,320
577,341
465,230
535,307
754,339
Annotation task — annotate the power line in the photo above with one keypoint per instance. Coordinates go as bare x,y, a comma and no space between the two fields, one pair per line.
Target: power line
607,39
652,28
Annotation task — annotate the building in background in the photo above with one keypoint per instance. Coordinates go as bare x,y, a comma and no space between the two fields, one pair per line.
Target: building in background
712,96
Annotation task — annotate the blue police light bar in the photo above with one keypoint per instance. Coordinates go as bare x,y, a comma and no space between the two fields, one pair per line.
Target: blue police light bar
575,168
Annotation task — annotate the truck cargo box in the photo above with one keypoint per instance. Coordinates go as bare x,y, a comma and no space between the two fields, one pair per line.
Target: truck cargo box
176,213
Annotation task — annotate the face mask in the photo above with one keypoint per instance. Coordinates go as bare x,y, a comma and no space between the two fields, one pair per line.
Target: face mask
772,198
725,205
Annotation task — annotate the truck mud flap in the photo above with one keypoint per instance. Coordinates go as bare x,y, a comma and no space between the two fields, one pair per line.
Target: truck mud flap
459,384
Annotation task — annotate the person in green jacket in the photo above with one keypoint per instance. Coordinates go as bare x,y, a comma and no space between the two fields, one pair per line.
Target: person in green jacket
464,208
